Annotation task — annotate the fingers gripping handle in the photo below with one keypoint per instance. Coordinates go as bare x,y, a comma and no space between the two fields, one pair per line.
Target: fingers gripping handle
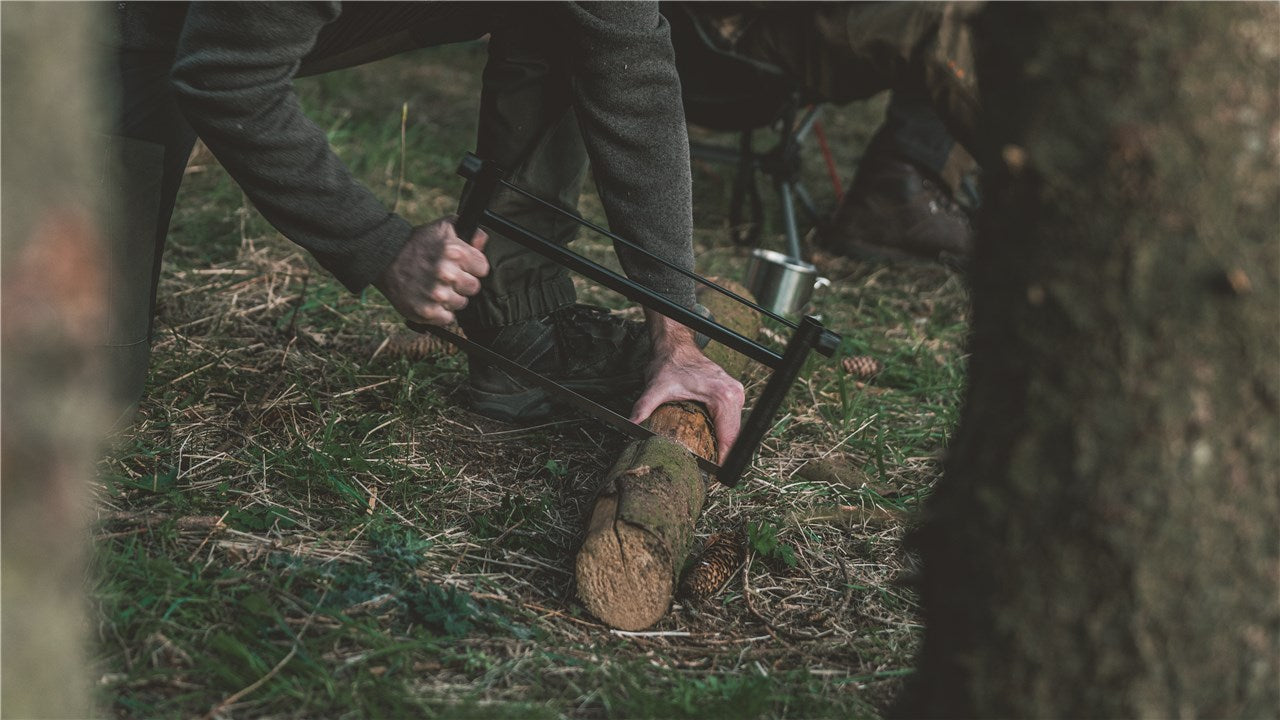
483,178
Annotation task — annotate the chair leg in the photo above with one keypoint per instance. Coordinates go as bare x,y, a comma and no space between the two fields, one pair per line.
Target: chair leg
743,231
789,219
807,204
807,122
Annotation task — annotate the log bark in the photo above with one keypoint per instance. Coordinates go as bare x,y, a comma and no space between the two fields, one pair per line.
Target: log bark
641,528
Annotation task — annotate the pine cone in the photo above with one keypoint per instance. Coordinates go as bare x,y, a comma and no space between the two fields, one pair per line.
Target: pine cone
863,367
417,346
713,568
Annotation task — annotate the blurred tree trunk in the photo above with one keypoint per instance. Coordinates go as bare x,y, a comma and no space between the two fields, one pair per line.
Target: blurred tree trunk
54,288
1104,542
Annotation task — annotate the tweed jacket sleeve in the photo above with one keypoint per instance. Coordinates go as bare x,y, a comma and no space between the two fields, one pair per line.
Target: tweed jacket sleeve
233,76
627,98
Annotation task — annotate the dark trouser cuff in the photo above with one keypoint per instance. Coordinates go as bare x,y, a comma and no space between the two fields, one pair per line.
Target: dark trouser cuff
915,133
535,301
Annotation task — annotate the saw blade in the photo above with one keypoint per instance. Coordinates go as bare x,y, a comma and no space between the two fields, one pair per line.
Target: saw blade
558,391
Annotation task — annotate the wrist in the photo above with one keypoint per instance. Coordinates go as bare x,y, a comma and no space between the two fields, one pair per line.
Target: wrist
668,337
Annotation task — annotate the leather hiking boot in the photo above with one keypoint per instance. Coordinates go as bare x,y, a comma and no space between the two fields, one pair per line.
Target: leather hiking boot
581,347
895,211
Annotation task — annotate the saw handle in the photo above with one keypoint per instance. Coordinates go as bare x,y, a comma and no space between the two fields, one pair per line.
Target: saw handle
482,182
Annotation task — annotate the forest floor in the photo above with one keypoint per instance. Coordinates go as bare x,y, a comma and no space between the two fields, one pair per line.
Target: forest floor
305,520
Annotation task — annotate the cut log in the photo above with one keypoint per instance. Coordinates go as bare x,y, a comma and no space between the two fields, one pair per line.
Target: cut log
639,534
641,529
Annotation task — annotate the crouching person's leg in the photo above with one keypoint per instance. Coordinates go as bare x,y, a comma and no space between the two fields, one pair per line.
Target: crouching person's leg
144,161
526,308
902,202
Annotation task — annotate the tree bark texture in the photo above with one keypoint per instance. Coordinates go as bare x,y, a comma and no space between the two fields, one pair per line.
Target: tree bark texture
54,290
640,529
1104,541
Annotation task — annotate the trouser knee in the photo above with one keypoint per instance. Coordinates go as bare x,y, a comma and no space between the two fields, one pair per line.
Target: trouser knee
528,128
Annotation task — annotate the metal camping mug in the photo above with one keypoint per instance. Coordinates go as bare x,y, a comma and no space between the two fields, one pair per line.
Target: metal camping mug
782,284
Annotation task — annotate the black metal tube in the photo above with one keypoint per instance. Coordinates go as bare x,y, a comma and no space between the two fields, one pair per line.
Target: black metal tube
631,290
656,258
482,181
472,168
717,153
775,391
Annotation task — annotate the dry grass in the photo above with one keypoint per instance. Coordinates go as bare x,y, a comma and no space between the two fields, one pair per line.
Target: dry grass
298,479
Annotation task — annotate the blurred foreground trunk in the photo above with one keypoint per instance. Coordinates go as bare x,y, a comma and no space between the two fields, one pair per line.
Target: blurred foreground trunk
53,288
1104,542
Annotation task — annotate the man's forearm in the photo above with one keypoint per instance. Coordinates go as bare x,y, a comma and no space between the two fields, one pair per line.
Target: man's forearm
233,79
627,95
